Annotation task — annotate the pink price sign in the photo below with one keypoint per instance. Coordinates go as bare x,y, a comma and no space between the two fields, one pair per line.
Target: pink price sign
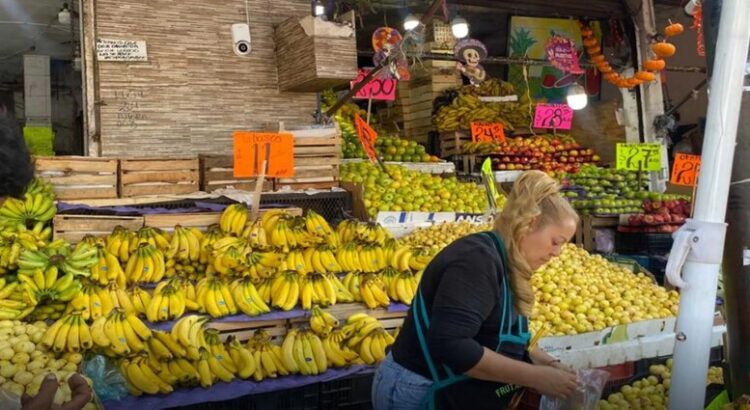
555,116
382,89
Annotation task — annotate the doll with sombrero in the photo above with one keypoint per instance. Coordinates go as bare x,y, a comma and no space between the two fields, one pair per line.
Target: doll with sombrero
385,41
469,53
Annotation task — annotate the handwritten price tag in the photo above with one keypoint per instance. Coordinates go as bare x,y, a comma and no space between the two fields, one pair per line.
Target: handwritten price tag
639,157
557,116
482,131
367,137
250,150
378,88
685,169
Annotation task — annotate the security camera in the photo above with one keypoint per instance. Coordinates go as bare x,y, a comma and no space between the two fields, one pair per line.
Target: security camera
241,39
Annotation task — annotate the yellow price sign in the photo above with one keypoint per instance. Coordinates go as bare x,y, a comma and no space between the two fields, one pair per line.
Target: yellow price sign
639,157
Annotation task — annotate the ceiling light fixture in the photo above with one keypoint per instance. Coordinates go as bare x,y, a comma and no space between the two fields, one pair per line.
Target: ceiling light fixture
577,98
411,22
64,15
459,27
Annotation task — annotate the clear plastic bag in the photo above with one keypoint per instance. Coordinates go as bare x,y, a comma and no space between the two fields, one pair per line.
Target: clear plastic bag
108,382
9,401
590,387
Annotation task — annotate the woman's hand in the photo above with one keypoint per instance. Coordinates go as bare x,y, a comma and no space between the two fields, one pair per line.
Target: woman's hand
558,365
79,391
554,382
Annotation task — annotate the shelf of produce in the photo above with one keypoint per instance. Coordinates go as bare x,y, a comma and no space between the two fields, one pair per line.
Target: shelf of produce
443,167
227,391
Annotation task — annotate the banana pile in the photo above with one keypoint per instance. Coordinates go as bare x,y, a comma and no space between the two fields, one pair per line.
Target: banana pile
12,304
48,285
480,147
368,337
25,361
322,322
77,260
247,298
34,208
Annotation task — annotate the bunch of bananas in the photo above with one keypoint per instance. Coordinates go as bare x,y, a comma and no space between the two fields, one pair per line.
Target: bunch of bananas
411,258
69,334
152,236
322,322
146,264
215,298
141,299
40,186
120,333
339,355
351,230
490,88
121,243
247,299
48,284
269,218
285,290
36,207
480,147
401,286
77,261
10,250
142,378
34,239
184,252
290,233
234,218
368,288
107,268
302,352
229,256
213,233
93,301
10,305
256,235
317,288
322,259
219,361
269,357
363,258
369,338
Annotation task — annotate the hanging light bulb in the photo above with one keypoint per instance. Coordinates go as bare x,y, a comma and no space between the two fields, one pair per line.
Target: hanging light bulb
64,15
577,98
459,27
319,9
411,22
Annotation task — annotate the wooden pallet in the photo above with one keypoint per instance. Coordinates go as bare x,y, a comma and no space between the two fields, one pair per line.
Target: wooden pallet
217,172
451,143
141,177
73,228
79,177
317,155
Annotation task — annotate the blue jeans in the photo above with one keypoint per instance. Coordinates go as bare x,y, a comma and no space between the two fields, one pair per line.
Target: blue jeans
396,388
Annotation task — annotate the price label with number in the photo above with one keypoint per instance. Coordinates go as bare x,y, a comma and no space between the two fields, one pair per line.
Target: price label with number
252,148
483,131
554,116
367,137
685,169
381,89
639,157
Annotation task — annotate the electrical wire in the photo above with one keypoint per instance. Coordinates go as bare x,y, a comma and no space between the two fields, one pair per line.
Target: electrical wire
247,14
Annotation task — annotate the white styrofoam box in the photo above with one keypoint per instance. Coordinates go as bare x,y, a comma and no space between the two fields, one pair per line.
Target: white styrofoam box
443,167
507,176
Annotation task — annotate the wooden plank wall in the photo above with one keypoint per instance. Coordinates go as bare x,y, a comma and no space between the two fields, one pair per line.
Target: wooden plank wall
194,90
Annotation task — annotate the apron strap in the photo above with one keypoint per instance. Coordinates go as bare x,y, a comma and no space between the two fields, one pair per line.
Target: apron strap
419,305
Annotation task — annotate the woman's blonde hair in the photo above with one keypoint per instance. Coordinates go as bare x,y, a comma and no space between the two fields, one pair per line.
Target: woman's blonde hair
533,203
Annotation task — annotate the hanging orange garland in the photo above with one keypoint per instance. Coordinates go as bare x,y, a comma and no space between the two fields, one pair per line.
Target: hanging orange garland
661,50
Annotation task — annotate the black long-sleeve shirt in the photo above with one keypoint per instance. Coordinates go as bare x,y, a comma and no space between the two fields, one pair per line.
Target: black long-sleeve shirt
462,292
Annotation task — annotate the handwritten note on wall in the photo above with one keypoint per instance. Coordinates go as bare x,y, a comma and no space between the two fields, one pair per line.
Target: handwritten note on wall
120,50
129,112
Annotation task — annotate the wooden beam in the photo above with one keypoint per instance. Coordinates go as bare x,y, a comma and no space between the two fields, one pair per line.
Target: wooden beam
91,134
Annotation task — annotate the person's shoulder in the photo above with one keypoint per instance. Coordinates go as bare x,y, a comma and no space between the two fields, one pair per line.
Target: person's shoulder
478,245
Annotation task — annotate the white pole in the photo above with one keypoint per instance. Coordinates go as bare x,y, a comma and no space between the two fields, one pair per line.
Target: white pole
693,341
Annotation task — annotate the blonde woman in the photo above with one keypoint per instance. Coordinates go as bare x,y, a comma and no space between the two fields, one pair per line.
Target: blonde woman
464,342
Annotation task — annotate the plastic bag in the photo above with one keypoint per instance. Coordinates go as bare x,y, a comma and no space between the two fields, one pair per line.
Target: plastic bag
9,401
590,387
108,382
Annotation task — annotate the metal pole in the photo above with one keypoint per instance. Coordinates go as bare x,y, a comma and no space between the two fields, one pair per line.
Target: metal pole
697,304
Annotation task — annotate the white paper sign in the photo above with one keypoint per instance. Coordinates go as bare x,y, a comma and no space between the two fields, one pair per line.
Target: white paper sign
120,50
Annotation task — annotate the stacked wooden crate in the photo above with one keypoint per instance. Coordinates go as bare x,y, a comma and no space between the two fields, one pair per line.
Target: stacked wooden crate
217,172
153,176
79,177
415,98
451,143
317,156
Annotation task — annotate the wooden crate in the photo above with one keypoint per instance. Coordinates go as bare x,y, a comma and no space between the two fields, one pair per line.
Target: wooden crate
313,63
317,156
358,200
155,176
217,172
590,224
201,220
79,177
73,228
451,143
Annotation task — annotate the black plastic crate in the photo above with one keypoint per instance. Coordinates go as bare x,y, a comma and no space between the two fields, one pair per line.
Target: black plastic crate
334,206
300,398
351,393
643,243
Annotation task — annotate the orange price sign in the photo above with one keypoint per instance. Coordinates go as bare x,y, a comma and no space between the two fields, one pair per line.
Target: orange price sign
483,131
685,169
252,148
367,137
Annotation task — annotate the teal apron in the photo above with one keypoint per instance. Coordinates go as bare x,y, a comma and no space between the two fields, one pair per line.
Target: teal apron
460,391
